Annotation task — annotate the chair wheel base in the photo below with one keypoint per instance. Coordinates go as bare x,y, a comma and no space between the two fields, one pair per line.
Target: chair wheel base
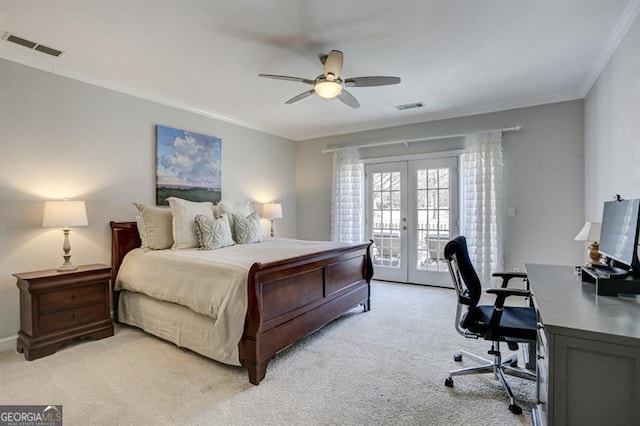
515,409
448,382
457,357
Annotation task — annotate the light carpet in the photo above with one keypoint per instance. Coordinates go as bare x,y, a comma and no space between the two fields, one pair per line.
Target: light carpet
386,366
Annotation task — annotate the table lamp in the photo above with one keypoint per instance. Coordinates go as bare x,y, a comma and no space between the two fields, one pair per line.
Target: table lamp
272,211
591,232
65,214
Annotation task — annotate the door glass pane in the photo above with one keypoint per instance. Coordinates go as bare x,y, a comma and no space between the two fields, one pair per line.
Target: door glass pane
422,199
386,219
422,179
433,202
443,198
377,182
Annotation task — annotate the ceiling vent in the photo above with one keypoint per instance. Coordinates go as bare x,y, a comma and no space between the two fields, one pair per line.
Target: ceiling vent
32,45
413,105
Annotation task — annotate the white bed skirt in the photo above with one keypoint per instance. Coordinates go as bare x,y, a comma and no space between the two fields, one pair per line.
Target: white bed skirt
174,323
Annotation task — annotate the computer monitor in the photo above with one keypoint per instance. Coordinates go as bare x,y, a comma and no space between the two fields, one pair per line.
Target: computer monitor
619,233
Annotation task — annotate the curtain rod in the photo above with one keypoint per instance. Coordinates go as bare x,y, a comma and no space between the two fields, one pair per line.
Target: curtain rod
406,142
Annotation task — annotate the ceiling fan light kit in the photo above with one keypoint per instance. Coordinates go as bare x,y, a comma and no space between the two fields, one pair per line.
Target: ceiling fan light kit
327,89
330,85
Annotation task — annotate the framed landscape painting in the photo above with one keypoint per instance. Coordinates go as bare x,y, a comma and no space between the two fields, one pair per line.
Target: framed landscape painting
188,166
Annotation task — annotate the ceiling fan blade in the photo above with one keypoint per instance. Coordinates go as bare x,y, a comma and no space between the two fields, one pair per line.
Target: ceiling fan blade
301,96
287,78
333,63
371,81
348,99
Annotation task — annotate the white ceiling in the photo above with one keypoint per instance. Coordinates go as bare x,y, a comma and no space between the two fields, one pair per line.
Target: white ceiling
458,57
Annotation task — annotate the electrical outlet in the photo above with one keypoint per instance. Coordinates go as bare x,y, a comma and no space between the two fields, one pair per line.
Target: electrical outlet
512,211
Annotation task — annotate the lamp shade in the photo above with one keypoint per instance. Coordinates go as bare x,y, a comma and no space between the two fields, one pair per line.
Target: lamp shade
272,211
64,214
589,232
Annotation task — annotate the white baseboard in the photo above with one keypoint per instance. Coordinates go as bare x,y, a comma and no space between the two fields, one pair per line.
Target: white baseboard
8,343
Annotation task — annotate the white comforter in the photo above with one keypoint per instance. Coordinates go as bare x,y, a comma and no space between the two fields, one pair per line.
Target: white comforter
211,283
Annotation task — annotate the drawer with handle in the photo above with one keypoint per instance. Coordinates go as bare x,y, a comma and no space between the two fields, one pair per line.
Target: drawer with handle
72,317
74,296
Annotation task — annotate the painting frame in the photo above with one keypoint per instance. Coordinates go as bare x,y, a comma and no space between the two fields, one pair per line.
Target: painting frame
188,165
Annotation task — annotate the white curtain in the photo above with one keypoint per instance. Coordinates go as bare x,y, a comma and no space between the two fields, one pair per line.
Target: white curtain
347,197
483,214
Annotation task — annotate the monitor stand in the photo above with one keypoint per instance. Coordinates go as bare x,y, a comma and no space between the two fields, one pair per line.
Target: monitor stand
608,284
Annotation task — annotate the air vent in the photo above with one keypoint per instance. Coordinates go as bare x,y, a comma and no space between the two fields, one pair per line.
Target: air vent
33,45
21,41
49,51
410,106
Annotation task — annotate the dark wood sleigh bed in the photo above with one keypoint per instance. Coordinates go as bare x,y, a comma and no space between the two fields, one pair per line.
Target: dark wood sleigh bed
287,299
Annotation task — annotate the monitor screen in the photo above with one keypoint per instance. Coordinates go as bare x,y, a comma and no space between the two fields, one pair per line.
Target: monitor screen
619,234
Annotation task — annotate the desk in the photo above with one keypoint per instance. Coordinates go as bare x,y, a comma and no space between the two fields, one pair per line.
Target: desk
588,351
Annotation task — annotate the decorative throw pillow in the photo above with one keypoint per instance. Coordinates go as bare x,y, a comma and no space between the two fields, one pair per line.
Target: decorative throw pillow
213,233
247,229
184,215
155,227
232,209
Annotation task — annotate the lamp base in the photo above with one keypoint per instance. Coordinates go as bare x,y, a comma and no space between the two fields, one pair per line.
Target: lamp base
67,265
594,254
66,268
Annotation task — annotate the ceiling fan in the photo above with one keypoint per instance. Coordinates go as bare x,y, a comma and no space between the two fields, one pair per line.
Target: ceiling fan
329,84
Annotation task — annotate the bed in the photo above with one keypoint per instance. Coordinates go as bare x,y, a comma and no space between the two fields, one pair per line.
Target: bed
286,300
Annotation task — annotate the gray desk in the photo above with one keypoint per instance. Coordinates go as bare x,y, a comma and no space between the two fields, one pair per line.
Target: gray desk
588,351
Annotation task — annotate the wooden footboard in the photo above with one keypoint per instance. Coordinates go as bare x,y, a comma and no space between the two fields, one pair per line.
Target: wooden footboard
287,299
292,298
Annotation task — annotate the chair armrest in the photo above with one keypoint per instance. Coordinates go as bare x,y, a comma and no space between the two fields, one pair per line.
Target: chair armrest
496,316
503,293
506,276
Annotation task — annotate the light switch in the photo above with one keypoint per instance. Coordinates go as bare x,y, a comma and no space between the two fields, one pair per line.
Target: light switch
512,211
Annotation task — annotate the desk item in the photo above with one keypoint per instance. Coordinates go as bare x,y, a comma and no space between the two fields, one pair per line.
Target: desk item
588,351
57,307
498,323
620,233
610,281
591,232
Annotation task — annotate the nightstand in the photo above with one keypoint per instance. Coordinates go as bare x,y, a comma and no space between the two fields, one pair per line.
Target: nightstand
57,307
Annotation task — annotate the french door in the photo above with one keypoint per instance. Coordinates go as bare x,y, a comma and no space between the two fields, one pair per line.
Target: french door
411,213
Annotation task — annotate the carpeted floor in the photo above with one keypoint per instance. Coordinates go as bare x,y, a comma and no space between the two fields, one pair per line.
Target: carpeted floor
386,366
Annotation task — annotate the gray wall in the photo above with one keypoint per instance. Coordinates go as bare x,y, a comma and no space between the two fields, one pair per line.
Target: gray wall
612,128
544,176
60,137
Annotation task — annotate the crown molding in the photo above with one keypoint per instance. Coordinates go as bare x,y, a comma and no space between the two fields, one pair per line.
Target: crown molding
52,67
617,35
455,113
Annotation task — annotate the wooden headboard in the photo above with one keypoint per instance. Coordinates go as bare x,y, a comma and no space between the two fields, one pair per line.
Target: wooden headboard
124,238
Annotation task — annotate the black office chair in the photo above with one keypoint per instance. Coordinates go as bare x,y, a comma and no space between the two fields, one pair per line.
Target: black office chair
497,322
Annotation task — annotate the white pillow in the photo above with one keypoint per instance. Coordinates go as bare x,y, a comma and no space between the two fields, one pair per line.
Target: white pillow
184,215
232,208
155,227
141,231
